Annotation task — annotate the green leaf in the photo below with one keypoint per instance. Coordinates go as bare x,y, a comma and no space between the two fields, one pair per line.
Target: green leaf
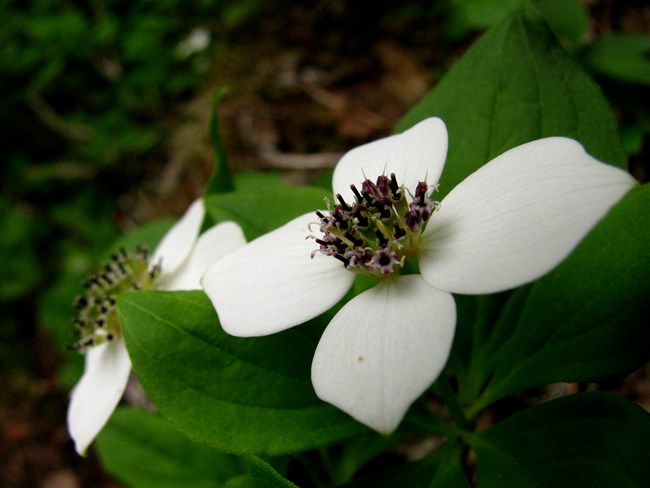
263,475
251,181
590,439
243,481
250,395
221,179
514,85
623,57
264,209
569,20
466,15
586,320
142,449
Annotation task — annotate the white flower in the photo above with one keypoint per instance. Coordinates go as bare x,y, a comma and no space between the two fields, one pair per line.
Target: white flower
177,264
507,224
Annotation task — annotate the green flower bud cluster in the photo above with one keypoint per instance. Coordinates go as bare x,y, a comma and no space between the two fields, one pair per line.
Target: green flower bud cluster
96,319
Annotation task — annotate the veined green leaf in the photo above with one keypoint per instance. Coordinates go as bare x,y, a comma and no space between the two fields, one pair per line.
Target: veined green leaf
264,209
514,85
250,395
142,449
590,439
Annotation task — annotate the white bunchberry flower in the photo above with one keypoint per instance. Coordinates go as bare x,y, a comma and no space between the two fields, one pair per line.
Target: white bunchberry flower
177,264
507,224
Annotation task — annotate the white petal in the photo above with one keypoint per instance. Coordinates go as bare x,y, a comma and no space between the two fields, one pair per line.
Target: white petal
98,392
175,247
416,154
273,283
215,243
384,349
517,217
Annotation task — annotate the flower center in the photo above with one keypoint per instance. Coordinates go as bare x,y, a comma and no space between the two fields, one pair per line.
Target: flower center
379,230
97,320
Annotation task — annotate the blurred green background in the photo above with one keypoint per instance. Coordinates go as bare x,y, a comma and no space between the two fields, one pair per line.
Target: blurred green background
104,107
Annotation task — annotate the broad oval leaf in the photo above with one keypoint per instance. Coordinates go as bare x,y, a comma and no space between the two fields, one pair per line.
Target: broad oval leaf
142,449
250,395
589,439
266,208
263,475
514,85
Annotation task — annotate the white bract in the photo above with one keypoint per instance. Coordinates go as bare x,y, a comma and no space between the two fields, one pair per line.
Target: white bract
507,224
177,264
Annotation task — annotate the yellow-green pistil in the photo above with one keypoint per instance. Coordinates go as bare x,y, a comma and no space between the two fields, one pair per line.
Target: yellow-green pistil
97,320
380,229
